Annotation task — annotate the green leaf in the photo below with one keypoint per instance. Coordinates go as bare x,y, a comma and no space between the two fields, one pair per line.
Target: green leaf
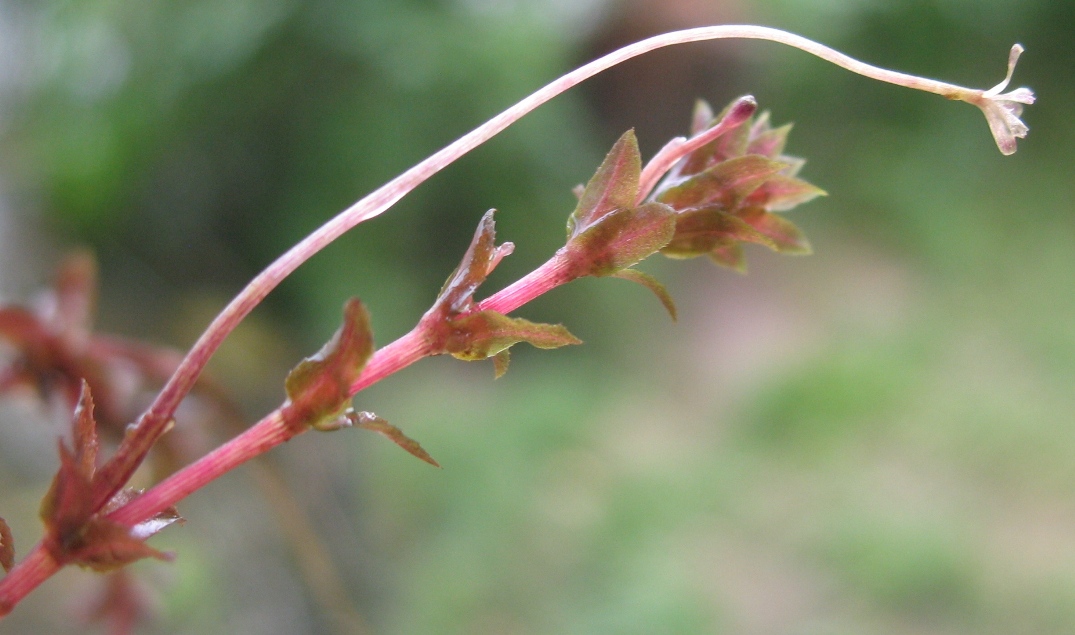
484,334
622,239
725,184
651,283
782,236
699,232
481,258
614,186
319,388
370,421
7,547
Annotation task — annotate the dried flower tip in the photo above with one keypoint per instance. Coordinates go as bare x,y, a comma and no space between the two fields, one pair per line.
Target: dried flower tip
1002,110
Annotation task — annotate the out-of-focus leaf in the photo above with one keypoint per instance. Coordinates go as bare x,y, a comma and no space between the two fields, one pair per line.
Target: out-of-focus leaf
651,283
7,547
370,421
76,296
613,187
725,184
318,389
702,117
784,237
122,604
21,328
729,254
622,238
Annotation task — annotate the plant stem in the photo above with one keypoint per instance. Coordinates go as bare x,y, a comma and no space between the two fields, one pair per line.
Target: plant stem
387,195
31,571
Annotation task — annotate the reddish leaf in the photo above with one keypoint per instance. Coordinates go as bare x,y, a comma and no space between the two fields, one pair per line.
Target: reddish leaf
76,296
621,239
318,389
766,141
783,236
477,336
781,193
122,603
85,433
651,283
614,186
7,547
146,528
725,184
700,231
729,254
702,118
370,421
481,258
22,328
731,144
69,502
104,545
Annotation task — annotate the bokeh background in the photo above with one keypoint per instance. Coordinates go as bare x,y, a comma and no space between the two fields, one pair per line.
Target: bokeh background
878,438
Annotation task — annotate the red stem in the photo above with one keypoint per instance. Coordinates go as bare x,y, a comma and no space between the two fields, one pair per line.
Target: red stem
34,569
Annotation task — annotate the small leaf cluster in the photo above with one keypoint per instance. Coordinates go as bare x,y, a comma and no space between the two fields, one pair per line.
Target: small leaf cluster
453,325
319,387
732,190
78,530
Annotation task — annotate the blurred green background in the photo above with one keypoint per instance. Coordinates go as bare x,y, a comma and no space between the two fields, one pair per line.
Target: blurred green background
878,438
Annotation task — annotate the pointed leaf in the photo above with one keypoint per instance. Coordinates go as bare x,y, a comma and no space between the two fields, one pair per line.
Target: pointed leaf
104,545
7,547
729,254
69,501
731,144
370,421
484,334
76,295
500,363
481,258
614,186
318,389
651,283
702,118
22,328
146,528
784,237
781,193
85,433
700,231
621,239
768,142
725,184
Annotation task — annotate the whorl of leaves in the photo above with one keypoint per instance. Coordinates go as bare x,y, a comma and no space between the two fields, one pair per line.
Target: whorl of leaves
728,192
